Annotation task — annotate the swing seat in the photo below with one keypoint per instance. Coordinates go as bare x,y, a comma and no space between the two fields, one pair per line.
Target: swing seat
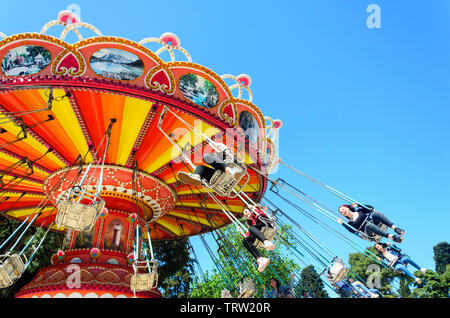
78,216
11,268
338,270
377,238
247,288
226,294
223,183
269,233
144,282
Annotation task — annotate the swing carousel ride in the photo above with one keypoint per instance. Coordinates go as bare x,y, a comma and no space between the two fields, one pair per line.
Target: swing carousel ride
93,137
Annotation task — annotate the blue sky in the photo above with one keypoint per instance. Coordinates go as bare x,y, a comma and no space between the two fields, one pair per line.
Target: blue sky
364,110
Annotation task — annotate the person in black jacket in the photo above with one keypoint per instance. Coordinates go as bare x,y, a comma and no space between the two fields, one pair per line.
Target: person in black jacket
366,219
217,162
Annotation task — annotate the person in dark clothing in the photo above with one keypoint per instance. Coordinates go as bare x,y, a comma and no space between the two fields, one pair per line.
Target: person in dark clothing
278,290
344,288
254,217
216,162
366,219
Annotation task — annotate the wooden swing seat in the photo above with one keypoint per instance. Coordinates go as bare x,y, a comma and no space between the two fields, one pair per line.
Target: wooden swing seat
269,233
223,183
78,216
247,288
144,281
11,268
338,270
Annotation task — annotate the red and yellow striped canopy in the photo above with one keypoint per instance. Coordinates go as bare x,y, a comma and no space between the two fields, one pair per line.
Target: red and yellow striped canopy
82,118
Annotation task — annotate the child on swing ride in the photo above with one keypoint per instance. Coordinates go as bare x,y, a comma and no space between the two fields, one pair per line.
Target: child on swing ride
398,260
366,219
216,161
280,291
255,219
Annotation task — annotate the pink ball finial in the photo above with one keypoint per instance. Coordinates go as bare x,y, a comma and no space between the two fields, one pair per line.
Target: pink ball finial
170,39
277,124
67,17
244,80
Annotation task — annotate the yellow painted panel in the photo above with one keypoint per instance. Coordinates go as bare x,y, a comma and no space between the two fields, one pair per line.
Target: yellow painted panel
136,111
7,178
26,212
32,142
232,208
193,218
38,173
65,115
27,196
170,227
9,161
171,180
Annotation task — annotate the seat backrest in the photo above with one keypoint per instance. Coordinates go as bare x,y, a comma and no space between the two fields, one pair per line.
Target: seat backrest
226,294
19,262
222,183
142,282
5,279
247,288
377,238
11,269
269,233
78,216
338,270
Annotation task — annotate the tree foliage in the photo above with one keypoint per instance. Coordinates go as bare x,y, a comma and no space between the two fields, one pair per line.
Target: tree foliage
176,267
441,256
312,283
434,285
51,244
234,263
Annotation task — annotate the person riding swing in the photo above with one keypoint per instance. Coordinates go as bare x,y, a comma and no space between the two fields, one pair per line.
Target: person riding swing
256,220
398,260
217,162
367,220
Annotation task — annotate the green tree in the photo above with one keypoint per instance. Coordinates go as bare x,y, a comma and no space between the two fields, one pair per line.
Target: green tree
210,285
434,285
441,256
234,263
176,267
51,244
7,226
311,279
